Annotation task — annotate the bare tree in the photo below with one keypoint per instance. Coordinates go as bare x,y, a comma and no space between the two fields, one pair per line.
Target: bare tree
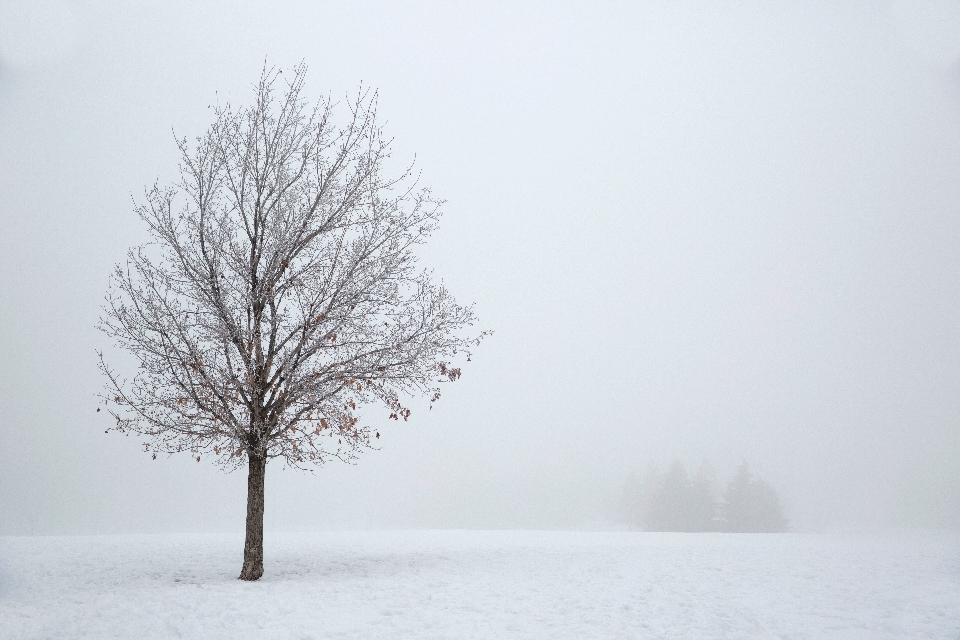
279,294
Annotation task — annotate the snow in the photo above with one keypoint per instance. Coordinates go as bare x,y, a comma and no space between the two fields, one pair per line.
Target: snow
484,584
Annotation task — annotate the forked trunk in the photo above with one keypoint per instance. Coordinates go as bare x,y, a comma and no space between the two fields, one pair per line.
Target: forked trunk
253,546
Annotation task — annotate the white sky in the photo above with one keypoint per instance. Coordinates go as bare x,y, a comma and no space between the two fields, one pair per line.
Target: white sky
717,233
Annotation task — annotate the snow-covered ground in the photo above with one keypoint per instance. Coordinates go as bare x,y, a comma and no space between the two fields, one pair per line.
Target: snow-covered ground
484,584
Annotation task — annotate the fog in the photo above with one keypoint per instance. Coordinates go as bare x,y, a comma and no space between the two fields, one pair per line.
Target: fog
698,234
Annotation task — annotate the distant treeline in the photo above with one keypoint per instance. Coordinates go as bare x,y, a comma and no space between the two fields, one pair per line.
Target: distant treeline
672,501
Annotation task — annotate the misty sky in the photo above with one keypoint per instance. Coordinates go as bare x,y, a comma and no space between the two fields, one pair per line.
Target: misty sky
698,233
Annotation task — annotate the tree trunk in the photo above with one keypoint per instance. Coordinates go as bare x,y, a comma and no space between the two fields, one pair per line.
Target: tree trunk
253,546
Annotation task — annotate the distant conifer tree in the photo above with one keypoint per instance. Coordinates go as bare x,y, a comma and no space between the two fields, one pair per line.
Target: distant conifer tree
703,508
669,509
752,505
